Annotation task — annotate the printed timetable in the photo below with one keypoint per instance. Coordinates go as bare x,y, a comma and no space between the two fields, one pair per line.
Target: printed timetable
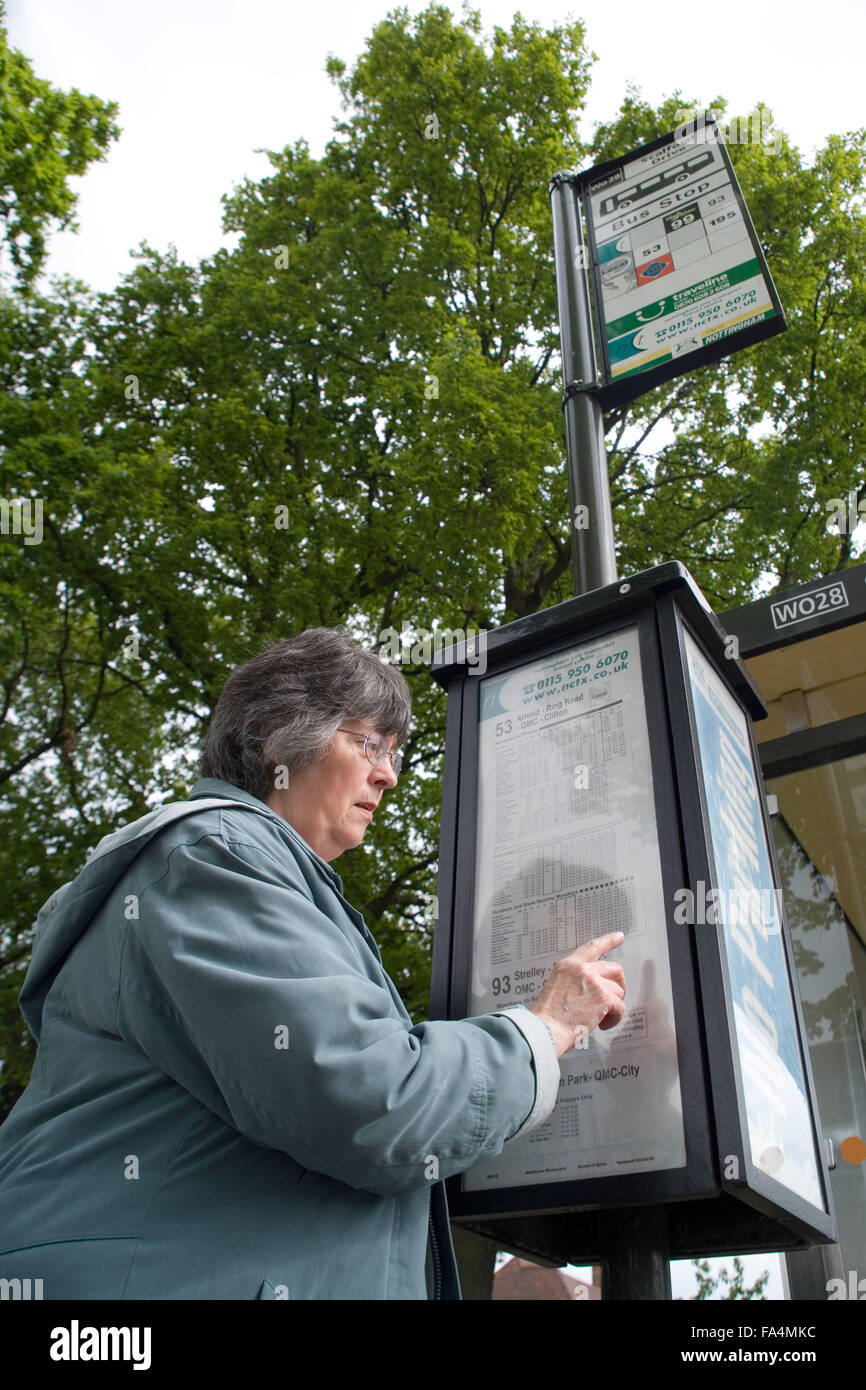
567,850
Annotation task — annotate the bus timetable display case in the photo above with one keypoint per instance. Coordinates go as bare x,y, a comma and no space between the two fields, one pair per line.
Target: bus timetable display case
601,775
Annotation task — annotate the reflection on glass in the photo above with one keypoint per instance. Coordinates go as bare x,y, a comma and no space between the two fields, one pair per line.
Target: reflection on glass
820,836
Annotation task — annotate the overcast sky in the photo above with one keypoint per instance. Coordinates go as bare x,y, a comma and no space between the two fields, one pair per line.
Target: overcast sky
201,84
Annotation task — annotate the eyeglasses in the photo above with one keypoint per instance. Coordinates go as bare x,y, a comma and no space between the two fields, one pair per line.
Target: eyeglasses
376,749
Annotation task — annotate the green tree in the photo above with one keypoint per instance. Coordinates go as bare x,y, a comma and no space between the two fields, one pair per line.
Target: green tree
46,135
353,417
708,1283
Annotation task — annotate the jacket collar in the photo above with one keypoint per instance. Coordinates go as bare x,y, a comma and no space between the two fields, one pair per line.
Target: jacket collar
215,786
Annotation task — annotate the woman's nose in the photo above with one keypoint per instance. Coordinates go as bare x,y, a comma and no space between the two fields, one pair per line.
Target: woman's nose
384,772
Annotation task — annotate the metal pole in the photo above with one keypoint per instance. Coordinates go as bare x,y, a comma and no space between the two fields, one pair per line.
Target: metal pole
593,554
634,1240
635,1262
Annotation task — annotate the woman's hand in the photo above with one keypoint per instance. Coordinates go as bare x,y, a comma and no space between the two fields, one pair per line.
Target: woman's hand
582,992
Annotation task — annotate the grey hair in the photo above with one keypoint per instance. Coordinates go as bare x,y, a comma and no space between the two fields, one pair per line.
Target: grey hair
283,707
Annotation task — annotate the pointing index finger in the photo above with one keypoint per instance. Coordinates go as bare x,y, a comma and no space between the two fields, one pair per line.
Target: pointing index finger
600,945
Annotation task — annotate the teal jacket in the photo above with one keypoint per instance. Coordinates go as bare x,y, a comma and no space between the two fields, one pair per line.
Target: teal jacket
229,1099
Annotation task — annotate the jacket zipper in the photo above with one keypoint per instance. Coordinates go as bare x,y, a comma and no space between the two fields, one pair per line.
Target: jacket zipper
437,1264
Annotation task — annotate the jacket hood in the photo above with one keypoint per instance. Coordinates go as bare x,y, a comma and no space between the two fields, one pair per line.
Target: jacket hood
65,917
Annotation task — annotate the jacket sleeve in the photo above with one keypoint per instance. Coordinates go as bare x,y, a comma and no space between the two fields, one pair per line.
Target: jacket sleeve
235,972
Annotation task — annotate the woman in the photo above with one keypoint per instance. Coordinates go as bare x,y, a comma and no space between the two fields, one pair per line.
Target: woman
229,1099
